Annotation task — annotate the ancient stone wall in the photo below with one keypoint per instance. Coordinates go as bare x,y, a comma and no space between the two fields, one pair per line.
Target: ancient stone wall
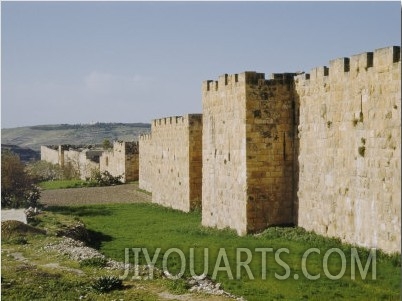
248,151
81,159
84,161
146,162
171,161
122,160
319,150
49,154
350,146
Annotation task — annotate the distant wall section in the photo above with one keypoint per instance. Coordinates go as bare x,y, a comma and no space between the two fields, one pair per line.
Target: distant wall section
146,162
50,154
85,161
171,161
122,160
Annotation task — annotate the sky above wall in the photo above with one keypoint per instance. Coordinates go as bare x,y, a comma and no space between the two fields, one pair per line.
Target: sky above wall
83,62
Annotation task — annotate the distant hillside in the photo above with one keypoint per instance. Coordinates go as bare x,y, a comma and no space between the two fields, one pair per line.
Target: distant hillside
25,154
34,136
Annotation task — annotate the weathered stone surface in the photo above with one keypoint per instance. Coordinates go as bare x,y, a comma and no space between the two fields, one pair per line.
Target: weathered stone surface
338,173
171,161
248,151
350,146
122,160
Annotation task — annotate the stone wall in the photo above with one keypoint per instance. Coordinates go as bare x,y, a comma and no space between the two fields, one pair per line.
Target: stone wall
85,161
146,162
122,160
50,154
319,150
350,146
248,151
171,161
81,159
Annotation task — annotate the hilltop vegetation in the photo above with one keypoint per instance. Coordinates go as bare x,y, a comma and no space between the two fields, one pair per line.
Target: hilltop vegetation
33,137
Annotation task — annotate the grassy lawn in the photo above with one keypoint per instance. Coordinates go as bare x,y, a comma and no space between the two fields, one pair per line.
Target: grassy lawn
151,227
60,184
32,271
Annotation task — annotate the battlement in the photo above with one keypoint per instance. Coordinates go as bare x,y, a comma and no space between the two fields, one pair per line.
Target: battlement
223,80
176,120
247,77
129,147
378,61
145,137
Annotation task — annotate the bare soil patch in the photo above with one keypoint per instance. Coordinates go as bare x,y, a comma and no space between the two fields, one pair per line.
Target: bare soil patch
126,193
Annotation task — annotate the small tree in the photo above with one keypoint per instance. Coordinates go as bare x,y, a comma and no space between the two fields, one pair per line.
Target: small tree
17,186
107,144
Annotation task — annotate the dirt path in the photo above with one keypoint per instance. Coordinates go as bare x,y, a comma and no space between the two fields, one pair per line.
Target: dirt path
127,193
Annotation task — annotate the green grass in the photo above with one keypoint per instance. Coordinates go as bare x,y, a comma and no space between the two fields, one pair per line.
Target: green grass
150,226
60,184
28,269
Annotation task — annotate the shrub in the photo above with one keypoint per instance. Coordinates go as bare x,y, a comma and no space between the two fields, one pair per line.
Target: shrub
17,189
103,179
105,284
107,145
42,171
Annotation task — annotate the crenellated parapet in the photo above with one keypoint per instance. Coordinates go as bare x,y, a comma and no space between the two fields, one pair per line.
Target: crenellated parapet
230,81
172,120
175,121
379,61
145,137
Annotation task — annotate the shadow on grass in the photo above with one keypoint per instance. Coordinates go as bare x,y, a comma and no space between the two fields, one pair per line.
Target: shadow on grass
80,211
96,239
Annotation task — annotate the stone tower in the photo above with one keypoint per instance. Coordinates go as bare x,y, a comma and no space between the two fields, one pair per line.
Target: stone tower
249,151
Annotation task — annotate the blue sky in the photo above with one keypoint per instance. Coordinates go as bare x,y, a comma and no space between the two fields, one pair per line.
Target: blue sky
82,62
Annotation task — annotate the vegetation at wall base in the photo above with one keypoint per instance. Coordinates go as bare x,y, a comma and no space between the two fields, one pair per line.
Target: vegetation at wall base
99,179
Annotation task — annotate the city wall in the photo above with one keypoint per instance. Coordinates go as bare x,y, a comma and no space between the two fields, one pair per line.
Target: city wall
319,150
248,151
50,154
350,146
147,174
171,161
84,161
122,160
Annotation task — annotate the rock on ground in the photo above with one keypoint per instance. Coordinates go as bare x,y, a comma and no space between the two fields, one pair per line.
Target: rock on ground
14,215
